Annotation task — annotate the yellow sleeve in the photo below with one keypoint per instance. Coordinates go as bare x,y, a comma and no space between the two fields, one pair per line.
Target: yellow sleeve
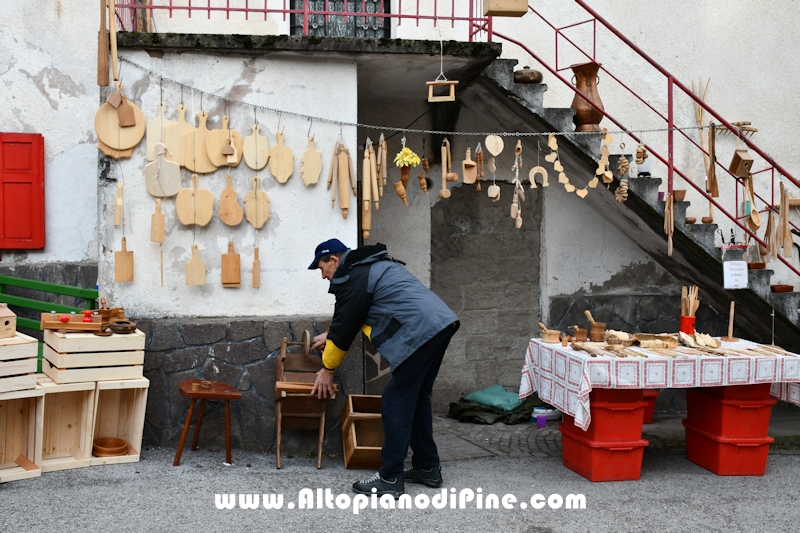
332,356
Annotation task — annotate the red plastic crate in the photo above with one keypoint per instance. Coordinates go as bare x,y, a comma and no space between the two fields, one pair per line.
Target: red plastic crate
727,456
602,461
615,395
650,396
740,392
611,422
728,418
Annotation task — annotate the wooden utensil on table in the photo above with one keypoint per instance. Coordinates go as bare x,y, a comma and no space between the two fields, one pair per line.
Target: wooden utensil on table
231,269
256,149
444,193
174,137
281,160
256,269
162,177
194,149
118,205
729,337
157,224
195,269
155,132
256,205
194,206
102,48
469,169
123,264
230,211
312,164
218,140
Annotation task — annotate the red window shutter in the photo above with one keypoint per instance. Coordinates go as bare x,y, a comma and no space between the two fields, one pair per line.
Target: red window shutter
21,191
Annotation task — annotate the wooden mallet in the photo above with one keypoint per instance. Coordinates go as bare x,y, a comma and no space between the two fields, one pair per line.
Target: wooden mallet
730,337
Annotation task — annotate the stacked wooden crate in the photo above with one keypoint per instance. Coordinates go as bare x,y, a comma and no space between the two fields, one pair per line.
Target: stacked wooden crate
17,362
82,357
21,419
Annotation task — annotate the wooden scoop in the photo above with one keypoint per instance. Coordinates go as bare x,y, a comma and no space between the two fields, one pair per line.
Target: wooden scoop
469,169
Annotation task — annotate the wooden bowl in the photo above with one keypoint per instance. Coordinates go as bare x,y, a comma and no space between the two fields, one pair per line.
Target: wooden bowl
707,220
679,194
551,336
109,447
781,288
756,266
691,220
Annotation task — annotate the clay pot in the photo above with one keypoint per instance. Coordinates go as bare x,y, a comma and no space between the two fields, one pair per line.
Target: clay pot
586,118
597,332
679,195
581,334
109,447
707,220
691,220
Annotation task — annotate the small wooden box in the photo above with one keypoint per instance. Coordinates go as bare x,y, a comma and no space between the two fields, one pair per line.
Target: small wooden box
362,432
79,357
21,417
8,322
68,424
119,412
18,363
741,163
505,8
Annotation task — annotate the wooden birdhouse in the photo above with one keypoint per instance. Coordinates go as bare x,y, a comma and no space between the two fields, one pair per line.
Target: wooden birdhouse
741,164
505,8
8,322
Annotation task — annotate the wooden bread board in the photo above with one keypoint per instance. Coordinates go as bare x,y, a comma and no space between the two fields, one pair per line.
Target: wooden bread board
230,211
216,142
281,160
123,264
195,269
256,205
162,177
312,164
174,137
195,154
256,149
111,134
194,206
155,131
231,268
157,224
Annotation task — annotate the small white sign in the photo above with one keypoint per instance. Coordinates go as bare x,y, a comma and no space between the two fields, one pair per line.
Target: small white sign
735,274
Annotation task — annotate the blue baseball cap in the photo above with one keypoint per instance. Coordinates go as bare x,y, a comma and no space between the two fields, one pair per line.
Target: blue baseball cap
331,246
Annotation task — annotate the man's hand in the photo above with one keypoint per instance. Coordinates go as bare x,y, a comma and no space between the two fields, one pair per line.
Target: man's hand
323,385
318,342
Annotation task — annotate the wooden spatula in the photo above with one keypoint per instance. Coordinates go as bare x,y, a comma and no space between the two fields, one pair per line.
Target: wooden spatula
123,264
256,269
195,269
231,271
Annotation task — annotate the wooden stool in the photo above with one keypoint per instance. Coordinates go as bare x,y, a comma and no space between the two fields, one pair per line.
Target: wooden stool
206,390
295,407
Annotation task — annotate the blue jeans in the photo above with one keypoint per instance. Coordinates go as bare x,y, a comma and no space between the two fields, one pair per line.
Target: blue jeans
406,408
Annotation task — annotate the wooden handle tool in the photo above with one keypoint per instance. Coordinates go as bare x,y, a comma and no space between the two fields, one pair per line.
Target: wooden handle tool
102,48
588,315
112,12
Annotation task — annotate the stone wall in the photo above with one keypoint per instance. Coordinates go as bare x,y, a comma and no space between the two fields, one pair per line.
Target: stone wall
242,353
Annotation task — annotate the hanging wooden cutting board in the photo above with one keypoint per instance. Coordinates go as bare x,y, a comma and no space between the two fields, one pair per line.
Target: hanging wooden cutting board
116,154
195,269
162,178
281,160
256,205
194,206
231,268
174,137
230,211
111,134
195,154
256,149
123,264
157,224
155,131
256,269
216,142
118,205
312,164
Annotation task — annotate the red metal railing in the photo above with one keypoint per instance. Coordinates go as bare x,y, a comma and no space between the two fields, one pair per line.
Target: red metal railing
480,27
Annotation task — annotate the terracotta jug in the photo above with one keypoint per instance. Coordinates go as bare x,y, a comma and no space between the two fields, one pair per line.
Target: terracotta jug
586,117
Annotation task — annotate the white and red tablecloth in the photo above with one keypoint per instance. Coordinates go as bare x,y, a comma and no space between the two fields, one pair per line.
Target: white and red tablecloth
563,376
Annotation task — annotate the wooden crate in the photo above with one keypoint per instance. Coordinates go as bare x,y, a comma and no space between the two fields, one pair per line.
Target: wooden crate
18,363
68,424
119,412
79,357
362,432
21,418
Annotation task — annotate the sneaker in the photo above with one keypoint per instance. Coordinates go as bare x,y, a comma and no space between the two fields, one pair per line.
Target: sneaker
432,477
395,487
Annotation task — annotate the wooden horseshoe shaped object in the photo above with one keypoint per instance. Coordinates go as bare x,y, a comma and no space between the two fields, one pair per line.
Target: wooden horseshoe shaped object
532,175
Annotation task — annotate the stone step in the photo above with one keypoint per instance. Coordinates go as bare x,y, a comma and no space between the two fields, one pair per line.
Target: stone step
646,189
786,303
758,281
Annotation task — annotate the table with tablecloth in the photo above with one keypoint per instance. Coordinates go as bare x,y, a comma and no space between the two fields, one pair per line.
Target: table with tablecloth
563,376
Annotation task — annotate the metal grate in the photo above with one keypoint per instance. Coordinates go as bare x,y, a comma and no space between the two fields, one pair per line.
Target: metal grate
336,19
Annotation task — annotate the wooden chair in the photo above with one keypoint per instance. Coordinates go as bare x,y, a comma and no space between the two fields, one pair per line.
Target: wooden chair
295,407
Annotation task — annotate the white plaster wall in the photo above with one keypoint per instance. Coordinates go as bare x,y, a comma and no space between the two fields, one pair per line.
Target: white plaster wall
179,20
48,85
300,216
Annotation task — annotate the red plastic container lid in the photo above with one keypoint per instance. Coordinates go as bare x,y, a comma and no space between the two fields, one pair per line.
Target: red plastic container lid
613,445
619,406
740,441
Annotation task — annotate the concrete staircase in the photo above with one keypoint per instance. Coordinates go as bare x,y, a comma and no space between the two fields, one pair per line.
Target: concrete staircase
695,260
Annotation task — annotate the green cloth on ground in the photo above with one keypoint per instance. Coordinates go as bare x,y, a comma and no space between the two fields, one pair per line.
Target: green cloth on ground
497,397
468,411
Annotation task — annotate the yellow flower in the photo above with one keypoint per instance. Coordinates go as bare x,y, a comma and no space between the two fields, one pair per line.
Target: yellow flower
406,158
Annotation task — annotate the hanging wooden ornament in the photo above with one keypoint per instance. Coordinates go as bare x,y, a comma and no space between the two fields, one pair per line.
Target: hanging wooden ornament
469,169
312,164
341,178
366,190
444,193
494,144
479,163
380,162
